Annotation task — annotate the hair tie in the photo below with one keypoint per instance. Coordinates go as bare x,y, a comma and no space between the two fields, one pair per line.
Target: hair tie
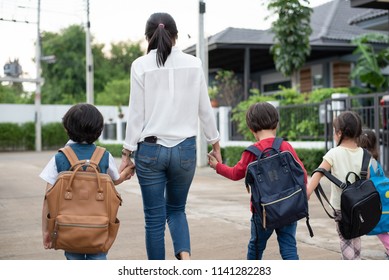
161,25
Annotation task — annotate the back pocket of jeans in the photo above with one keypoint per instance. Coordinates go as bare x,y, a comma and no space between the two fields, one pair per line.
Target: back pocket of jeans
147,154
187,157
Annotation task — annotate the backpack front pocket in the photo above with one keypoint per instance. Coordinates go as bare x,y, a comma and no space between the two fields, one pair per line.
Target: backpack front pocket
283,208
80,234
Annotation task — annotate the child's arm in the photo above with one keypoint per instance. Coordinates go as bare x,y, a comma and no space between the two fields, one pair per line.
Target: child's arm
315,179
45,233
237,172
126,174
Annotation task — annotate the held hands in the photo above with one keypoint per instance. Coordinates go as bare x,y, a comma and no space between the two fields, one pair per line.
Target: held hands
212,161
128,172
215,155
127,168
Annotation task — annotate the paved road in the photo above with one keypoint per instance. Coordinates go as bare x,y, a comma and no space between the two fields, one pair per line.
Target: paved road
218,214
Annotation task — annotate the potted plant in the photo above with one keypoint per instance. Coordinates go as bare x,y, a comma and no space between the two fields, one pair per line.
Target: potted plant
213,92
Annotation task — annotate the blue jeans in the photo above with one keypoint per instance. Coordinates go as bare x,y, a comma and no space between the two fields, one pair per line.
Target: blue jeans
165,175
77,256
286,237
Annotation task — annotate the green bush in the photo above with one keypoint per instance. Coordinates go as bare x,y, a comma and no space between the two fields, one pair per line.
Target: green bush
15,137
28,131
232,155
114,149
311,158
321,94
53,136
11,136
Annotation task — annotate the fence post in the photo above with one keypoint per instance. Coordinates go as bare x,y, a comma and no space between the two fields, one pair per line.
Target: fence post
338,103
224,123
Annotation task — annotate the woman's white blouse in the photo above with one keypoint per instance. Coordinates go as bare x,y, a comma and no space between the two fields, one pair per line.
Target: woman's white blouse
168,101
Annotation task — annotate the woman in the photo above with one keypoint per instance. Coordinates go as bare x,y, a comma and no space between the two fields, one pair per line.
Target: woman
168,97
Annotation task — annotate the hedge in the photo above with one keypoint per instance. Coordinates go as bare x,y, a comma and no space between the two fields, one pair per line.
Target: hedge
14,137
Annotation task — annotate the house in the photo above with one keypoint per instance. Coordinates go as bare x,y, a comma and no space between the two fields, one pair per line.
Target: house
373,20
246,51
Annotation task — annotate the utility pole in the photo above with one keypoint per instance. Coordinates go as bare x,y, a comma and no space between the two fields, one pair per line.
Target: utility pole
38,118
89,61
200,53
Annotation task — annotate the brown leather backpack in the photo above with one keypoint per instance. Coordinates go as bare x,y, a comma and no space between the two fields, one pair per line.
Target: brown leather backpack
83,206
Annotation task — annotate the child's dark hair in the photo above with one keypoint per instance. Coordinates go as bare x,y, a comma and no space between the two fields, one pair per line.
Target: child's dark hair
368,140
349,124
161,32
83,123
262,115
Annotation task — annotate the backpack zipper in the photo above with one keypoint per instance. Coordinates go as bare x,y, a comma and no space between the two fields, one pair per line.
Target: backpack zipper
81,225
273,202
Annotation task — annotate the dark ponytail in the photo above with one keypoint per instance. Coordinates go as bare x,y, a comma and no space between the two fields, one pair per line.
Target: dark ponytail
161,33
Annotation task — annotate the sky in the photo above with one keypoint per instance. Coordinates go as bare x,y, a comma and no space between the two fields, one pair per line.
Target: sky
118,20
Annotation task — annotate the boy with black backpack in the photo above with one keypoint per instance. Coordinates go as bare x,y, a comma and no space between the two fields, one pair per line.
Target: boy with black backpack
83,124
262,120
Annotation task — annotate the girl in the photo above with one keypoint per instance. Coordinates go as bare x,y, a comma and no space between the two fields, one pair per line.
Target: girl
368,140
345,157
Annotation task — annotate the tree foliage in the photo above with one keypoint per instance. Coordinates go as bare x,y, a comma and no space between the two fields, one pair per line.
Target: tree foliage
11,94
65,80
291,34
227,88
368,68
116,93
122,55
239,112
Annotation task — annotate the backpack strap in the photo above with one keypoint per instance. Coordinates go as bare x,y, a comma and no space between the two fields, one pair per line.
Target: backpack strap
376,169
97,155
277,143
319,194
254,150
331,177
257,152
365,164
74,161
70,155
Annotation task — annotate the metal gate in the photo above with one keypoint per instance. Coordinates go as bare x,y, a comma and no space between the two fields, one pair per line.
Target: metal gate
374,112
